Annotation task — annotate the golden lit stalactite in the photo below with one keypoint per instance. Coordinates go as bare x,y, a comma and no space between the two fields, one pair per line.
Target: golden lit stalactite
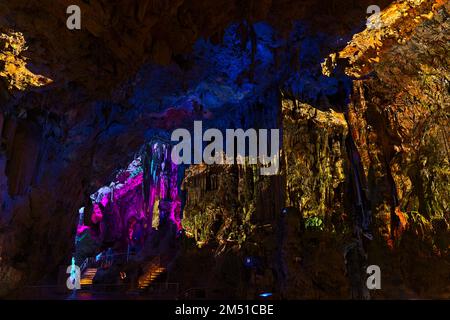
13,65
398,21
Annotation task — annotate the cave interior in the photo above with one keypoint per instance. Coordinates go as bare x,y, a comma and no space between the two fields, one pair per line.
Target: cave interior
87,170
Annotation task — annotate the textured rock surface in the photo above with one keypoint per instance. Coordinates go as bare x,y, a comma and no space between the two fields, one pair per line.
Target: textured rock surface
117,38
319,224
392,26
13,70
62,142
399,120
316,159
228,201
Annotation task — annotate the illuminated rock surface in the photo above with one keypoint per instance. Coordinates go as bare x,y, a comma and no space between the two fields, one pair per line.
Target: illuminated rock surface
361,159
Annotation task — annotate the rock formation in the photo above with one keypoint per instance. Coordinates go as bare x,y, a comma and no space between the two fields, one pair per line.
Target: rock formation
363,111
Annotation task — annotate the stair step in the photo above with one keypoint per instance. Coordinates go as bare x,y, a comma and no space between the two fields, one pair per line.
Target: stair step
152,272
88,276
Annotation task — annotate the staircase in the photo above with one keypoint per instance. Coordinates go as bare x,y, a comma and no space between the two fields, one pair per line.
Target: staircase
152,271
88,276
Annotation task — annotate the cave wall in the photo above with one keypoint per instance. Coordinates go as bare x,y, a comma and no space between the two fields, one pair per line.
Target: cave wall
72,138
316,160
399,120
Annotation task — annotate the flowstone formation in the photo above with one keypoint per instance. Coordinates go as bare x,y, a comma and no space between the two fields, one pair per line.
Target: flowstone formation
387,145
392,27
398,117
225,203
316,160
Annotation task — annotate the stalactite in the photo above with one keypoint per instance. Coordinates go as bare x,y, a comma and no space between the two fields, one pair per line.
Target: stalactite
146,187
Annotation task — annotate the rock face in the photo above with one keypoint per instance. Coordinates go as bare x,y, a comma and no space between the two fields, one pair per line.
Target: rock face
399,120
392,26
365,152
294,238
316,159
17,76
225,203
121,216
117,38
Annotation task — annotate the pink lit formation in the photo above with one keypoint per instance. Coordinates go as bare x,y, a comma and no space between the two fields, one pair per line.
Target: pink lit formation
124,209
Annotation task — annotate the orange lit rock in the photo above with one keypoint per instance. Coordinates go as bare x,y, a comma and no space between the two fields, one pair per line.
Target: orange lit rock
14,70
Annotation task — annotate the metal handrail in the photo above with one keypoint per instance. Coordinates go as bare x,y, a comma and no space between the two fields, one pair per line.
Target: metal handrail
84,265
